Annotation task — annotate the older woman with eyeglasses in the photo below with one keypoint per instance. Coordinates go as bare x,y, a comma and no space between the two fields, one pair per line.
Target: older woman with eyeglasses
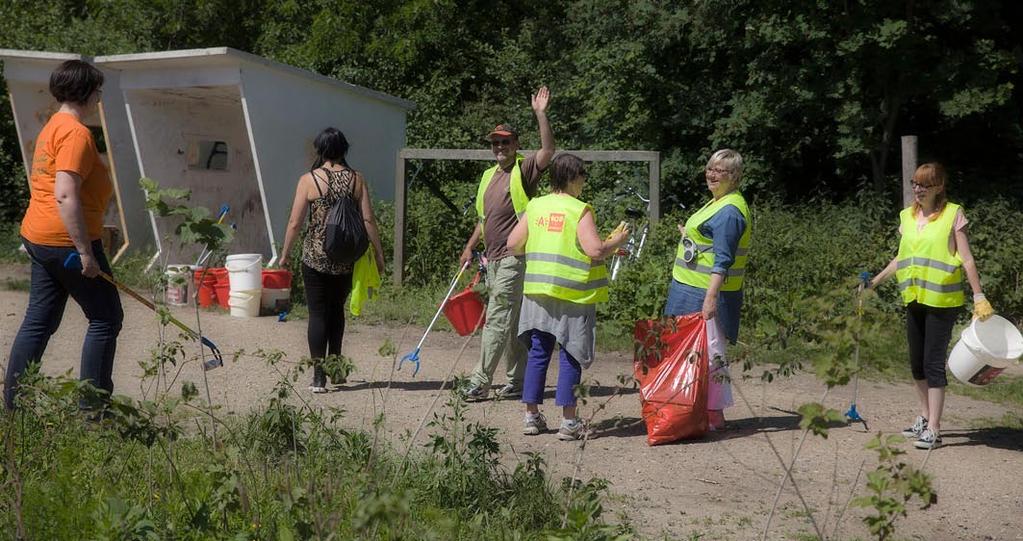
934,252
710,264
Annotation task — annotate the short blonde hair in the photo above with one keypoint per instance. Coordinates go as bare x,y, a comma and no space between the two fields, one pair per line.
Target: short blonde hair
730,159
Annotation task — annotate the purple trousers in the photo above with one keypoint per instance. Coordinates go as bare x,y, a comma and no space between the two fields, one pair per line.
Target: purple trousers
569,372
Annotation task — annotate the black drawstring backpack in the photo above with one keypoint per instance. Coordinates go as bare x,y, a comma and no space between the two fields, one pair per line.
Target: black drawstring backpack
345,238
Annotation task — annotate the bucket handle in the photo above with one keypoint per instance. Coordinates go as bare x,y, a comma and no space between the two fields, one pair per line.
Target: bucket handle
250,265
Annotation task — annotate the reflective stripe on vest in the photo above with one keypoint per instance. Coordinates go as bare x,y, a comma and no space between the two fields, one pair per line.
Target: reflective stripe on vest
518,192
697,272
555,265
925,271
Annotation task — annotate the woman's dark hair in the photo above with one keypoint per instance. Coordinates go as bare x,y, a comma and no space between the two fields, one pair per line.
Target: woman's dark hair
331,145
564,169
74,81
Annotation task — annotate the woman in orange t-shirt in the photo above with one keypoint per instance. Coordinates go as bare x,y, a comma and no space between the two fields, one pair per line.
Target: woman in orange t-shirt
70,192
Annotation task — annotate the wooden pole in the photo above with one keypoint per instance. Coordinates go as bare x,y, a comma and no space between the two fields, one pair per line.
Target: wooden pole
655,189
909,148
399,219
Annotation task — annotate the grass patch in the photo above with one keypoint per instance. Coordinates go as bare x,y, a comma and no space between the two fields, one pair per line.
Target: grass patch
1011,420
1006,390
285,470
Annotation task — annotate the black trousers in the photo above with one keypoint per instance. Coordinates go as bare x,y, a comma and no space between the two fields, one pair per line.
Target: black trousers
929,330
326,295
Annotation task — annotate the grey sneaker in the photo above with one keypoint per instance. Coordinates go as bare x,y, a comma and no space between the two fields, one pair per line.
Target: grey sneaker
929,439
509,391
571,429
919,425
476,393
534,424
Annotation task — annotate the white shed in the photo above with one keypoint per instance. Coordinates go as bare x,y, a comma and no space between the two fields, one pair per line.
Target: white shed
237,129
28,80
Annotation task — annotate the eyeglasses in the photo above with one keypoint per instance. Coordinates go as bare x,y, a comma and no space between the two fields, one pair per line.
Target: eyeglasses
717,170
500,142
918,186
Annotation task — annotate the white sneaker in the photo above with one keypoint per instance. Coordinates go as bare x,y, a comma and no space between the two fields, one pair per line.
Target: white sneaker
571,430
917,429
929,439
535,424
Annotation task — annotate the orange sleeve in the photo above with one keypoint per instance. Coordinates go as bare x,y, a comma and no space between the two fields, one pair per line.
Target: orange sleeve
75,153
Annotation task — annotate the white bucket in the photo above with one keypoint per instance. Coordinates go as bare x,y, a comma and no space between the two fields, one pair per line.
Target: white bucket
244,303
275,301
985,350
178,278
245,271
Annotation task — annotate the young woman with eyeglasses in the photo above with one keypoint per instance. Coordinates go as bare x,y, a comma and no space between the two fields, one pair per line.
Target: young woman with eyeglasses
934,252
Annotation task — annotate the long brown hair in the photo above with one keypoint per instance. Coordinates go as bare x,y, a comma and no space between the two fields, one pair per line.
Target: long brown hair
932,174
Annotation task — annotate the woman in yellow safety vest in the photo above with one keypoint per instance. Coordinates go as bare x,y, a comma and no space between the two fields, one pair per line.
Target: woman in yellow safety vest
565,278
710,263
933,253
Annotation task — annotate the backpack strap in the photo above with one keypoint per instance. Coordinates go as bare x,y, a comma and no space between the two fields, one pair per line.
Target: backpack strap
312,173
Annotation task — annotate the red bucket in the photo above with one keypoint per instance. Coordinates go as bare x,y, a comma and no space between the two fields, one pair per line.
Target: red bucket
206,289
464,309
222,286
276,279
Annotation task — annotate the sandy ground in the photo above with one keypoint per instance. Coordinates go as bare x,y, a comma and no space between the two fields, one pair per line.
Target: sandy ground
720,487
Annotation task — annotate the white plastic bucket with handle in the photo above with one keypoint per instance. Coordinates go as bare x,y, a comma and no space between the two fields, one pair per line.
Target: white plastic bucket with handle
984,350
245,271
244,303
178,278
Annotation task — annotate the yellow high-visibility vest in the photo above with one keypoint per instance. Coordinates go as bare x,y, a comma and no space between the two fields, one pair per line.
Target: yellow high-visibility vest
697,272
518,191
555,264
927,273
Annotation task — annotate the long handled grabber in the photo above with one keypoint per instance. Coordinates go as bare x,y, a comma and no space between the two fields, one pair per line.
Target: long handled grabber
852,415
74,261
413,356
206,252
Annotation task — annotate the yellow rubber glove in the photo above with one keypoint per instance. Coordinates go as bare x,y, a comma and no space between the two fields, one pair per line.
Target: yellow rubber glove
982,309
621,226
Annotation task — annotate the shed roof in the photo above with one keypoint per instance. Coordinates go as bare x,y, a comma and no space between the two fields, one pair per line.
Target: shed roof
226,56
39,55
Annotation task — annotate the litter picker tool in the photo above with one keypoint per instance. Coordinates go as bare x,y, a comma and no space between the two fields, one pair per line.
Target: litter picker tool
852,415
413,356
206,252
74,261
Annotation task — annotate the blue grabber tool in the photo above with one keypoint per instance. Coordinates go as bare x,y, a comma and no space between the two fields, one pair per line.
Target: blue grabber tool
852,415
74,261
413,356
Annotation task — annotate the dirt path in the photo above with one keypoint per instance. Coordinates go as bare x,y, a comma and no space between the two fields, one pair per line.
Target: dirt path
720,487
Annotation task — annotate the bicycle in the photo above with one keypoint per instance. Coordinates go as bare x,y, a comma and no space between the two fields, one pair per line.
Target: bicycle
633,248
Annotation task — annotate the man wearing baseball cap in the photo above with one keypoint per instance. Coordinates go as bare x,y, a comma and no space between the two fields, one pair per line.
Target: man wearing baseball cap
501,198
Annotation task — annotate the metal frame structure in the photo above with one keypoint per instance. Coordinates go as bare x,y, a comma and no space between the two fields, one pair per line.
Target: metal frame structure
652,158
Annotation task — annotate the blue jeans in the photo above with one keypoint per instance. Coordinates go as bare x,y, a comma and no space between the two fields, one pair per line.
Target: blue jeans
50,287
569,371
685,299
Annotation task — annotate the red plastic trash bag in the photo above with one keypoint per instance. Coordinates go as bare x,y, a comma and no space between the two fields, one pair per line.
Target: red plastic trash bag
671,366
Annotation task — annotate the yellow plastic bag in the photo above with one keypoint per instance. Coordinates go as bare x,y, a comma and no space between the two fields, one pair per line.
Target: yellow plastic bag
365,282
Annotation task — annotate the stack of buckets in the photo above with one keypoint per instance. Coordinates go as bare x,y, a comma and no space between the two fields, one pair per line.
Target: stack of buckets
244,287
984,350
245,273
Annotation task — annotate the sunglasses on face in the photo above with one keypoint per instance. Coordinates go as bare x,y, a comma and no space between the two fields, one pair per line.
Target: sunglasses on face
918,186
